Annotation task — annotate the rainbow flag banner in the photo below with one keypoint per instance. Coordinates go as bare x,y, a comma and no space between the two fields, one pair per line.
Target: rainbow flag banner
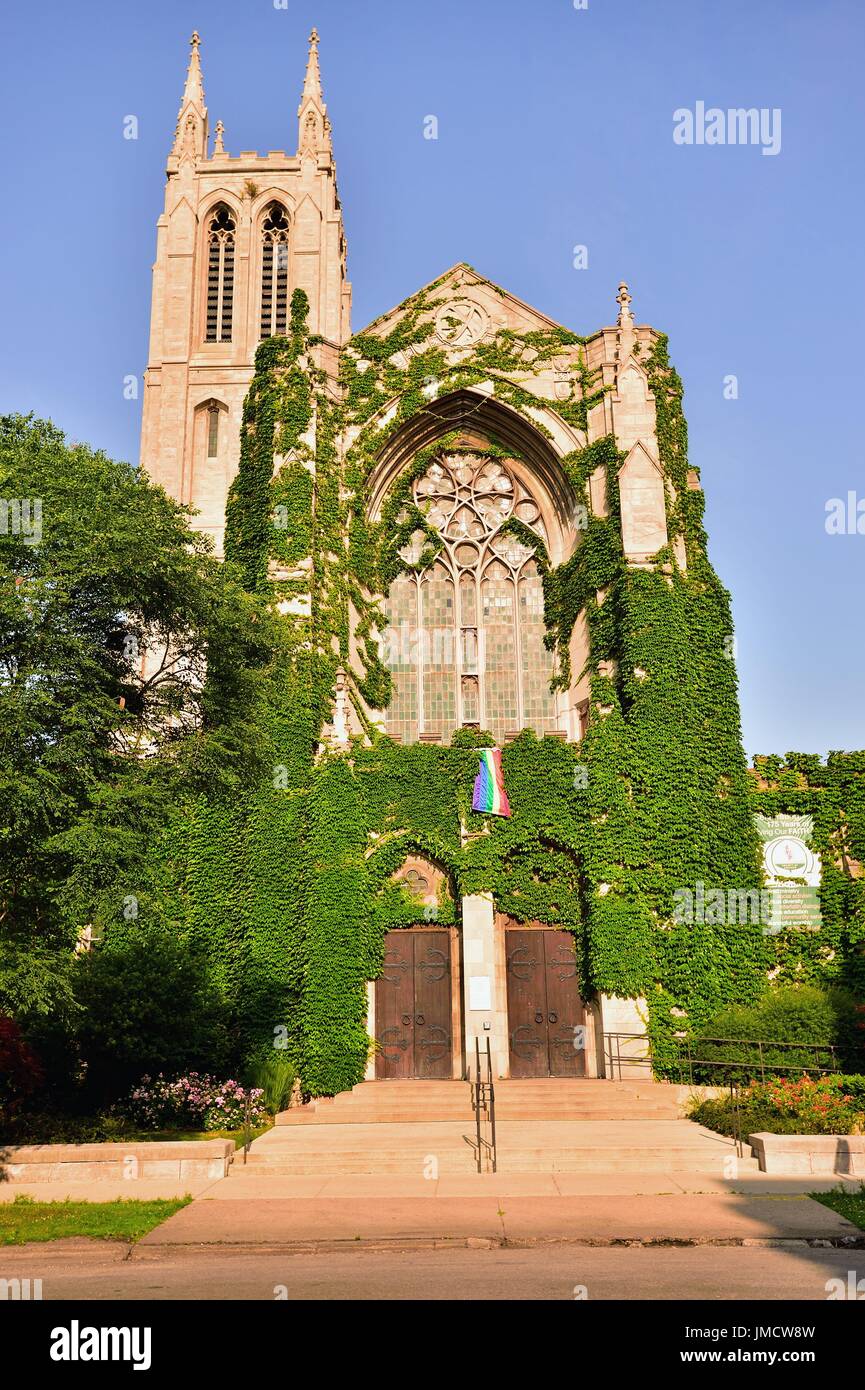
490,796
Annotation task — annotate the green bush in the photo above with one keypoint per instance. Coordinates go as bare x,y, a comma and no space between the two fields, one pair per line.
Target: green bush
274,1075
147,1007
52,1127
799,1014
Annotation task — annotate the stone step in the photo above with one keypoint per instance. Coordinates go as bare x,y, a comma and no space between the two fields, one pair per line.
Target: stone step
512,1112
378,1091
507,1143
352,1143
369,1165
568,1098
316,1166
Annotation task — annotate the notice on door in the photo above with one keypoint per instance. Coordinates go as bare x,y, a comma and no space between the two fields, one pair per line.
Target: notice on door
480,993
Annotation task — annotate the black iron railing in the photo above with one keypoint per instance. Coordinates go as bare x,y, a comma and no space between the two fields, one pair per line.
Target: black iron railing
247,1128
483,1093
751,1057
702,1062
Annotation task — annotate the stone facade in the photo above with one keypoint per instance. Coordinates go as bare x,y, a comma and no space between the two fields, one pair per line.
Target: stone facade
186,375
217,292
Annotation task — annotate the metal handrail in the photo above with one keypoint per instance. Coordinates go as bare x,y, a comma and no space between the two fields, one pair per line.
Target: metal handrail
616,1062
247,1128
725,1068
483,1093
615,1059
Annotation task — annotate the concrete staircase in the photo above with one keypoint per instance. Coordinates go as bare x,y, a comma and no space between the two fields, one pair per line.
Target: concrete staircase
392,1102
426,1128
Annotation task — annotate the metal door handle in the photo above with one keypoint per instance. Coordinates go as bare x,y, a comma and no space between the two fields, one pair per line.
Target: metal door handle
554,1018
539,1018
406,1020
419,1018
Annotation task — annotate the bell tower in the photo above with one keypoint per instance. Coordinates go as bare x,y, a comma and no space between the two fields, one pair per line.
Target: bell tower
237,234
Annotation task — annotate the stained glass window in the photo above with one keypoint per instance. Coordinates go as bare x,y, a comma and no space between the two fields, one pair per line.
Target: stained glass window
478,657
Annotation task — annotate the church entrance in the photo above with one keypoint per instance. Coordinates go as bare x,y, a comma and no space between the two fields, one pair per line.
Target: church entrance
413,1007
546,1016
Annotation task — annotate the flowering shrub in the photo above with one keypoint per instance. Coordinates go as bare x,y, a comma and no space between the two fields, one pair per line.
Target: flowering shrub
194,1102
822,1105
801,1105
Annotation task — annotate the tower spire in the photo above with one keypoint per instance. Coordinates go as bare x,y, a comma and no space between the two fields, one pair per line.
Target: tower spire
312,81
313,124
623,299
190,137
625,323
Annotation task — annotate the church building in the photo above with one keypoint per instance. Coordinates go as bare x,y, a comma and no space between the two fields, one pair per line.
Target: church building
482,530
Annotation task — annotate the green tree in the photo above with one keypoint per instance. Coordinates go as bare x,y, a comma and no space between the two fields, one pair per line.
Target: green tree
130,663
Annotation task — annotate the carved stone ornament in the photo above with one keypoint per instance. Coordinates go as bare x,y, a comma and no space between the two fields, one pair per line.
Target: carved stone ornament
461,323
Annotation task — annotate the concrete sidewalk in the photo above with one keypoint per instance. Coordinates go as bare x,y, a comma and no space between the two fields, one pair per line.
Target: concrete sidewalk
254,1185
499,1215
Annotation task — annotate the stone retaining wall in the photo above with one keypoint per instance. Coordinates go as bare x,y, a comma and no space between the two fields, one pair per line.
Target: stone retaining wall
206,1158
795,1154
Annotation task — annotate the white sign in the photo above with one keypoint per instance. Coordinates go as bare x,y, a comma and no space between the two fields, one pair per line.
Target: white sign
480,994
791,869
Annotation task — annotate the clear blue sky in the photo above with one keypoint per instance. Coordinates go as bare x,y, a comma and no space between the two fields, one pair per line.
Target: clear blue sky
555,129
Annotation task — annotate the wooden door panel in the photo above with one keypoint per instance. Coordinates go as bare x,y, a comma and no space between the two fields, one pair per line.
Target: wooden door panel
432,1005
527,1004
394,1009
565,1012
413,1018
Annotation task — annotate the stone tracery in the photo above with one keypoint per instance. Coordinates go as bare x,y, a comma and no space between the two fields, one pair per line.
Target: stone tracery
466,628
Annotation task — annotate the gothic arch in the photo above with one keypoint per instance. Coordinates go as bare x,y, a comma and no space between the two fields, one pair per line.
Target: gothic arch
216,199
465,637
212,201
264,197
220,291
535,457
384,861
273,233
210,461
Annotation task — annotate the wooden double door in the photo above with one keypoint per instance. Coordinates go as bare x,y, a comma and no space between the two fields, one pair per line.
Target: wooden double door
546,1016
413,1007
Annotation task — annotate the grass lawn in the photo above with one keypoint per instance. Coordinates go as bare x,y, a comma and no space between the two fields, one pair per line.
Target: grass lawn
849,1204
161,1136
26,1219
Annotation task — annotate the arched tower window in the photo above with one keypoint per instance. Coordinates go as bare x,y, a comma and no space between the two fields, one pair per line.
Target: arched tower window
220,275
274,272
465,644
213,431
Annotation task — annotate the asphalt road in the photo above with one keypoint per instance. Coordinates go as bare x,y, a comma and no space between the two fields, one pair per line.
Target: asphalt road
75,1271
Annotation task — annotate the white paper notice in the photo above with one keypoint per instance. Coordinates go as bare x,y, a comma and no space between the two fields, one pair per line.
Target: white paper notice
480,995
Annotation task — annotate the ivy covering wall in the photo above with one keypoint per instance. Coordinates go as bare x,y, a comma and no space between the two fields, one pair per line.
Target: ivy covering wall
293,888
